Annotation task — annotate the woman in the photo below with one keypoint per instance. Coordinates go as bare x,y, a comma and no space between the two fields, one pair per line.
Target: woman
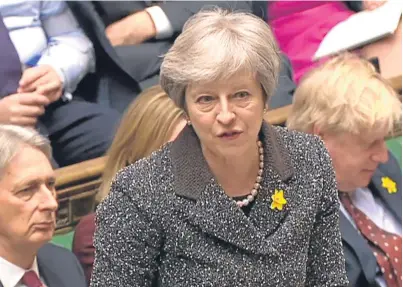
348,104
232,201
150,121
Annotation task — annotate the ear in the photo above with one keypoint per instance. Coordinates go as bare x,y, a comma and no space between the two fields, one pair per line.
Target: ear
316,130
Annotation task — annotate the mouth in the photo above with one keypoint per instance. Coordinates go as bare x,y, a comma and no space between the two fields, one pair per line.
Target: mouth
230,134
45,225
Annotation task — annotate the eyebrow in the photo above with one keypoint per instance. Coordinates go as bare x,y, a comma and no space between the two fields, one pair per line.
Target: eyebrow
34,181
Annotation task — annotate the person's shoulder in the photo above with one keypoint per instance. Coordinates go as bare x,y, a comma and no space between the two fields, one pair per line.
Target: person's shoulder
305,149
300,142
145,172
52,252
61,261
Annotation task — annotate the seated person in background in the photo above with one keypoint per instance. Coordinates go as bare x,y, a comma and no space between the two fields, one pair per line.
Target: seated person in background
300,26
140,32
150,121
27,215
44,56
350,106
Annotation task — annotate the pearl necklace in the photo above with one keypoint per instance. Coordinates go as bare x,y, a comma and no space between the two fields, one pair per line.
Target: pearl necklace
251,197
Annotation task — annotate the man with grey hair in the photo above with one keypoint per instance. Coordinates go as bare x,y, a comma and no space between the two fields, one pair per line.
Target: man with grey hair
27,215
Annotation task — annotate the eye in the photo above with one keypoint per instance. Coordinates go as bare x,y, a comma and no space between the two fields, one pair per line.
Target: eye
204,99
26,193
51,184
26,190
241,95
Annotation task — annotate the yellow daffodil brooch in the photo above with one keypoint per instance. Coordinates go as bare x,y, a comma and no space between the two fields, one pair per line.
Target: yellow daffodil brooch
278,199
389,184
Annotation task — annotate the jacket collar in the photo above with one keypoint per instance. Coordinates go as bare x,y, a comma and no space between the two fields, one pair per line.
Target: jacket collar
191,171
217,214
392,201
49,271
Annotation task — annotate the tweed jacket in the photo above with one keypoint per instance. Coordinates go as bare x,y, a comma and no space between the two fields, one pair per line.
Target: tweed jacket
167,221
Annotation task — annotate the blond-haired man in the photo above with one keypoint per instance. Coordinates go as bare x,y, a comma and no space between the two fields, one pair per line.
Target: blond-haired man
348,105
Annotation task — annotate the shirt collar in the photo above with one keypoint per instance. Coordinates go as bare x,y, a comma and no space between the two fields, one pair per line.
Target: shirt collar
11,274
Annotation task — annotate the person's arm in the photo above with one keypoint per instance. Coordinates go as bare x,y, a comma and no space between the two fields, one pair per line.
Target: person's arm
326,265
22,109
70,53
178,12
127,242
162,21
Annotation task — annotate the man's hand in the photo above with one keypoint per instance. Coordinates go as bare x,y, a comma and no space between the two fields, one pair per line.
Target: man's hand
131,30
42,80
22,109
372,4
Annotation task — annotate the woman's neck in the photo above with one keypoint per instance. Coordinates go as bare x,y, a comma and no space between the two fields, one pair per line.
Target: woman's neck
235,173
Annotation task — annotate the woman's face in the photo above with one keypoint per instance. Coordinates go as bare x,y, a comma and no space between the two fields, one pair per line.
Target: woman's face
226,114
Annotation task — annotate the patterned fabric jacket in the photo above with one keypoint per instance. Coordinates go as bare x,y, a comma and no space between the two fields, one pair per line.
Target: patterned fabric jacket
167,222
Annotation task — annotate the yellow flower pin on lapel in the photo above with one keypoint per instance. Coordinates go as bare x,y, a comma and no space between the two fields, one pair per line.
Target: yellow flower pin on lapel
389,184
278,199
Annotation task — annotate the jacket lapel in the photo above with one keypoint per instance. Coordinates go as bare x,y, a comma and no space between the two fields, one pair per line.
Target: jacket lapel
277,173
218,215
48,272
360,246
214,212
393,201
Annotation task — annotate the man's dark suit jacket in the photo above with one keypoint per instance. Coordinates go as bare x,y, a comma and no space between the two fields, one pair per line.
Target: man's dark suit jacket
59,267
124,71
361,264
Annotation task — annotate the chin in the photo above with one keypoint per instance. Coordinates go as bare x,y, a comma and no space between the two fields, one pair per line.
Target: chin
42,237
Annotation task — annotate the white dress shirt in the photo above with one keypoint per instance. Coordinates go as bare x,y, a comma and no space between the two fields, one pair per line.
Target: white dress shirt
371,206
162,24
11,275
46,32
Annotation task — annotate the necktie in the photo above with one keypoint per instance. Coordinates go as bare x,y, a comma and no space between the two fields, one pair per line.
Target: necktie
10,64
30,279
386,246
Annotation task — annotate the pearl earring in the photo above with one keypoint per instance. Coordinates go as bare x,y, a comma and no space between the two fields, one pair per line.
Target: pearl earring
188,122
264,110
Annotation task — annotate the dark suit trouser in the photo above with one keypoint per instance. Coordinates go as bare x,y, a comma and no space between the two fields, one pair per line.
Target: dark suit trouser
78,130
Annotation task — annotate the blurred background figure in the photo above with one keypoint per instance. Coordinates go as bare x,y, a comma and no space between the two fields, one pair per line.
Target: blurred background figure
300,27
131,38
44,56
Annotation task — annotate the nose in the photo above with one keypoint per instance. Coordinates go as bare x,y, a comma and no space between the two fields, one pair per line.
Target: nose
381,155
48,200
225,114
